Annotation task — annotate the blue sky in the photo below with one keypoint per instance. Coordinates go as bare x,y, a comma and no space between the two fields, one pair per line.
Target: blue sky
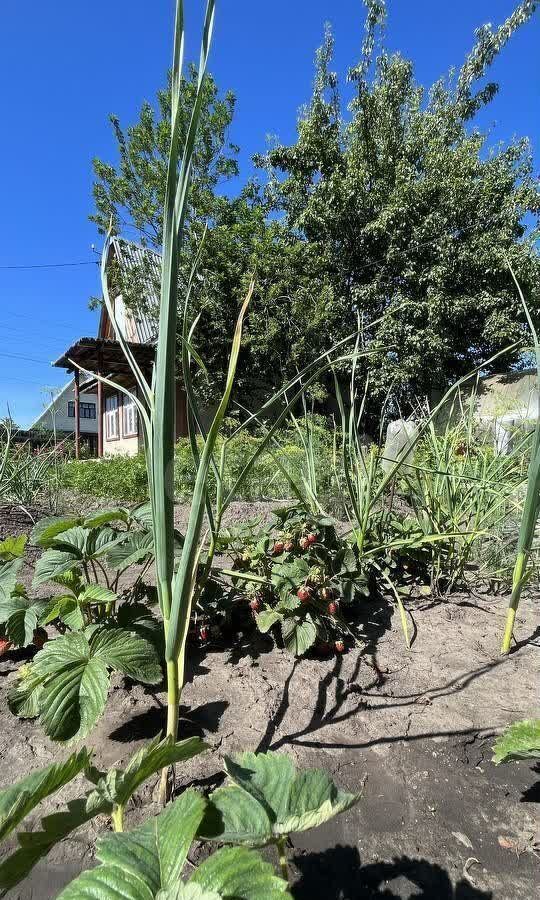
65,66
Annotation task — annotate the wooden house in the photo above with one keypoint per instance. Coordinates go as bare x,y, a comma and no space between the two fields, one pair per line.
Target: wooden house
118,427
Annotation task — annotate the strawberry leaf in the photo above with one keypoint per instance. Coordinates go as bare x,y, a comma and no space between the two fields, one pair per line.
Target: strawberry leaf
519,741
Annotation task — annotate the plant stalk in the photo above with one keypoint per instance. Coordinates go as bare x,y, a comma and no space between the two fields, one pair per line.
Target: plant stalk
117,817
173,704
282,854
517,585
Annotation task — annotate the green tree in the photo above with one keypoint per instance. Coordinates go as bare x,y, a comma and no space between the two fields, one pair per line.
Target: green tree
408,211
131,192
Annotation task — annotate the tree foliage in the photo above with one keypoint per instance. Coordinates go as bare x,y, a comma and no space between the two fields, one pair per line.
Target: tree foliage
391,203
410,210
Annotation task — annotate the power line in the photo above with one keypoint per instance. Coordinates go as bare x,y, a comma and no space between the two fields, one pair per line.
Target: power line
89,262
44,362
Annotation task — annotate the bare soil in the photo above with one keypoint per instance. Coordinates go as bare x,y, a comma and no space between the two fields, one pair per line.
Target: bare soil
437,819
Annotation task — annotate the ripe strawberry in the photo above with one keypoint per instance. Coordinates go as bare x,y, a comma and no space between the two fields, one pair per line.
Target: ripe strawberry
304,543
5,645
304,594
312,538
288,546
40,638
339,646
204,632
255,604
332,608
279,546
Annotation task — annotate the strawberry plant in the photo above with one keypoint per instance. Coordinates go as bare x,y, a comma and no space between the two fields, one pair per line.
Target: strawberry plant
268,799
518,741
108,794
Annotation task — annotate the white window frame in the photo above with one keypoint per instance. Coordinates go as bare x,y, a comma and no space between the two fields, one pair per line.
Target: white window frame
130,424
112,418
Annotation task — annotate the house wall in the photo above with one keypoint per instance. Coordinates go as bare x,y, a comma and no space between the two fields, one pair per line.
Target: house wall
56,413
130,445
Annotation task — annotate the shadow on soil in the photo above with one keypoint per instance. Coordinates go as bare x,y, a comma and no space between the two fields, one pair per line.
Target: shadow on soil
333,705
196,722
337,874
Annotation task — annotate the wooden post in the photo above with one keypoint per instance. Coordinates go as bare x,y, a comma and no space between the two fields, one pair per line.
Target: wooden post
100,408
77,415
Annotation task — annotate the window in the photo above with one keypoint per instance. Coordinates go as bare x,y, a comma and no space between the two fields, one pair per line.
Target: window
86,410
111,418
129,418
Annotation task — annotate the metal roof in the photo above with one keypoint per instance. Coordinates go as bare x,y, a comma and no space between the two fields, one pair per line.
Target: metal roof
147,263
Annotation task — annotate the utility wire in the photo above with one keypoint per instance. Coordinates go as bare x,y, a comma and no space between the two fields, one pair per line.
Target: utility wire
89,262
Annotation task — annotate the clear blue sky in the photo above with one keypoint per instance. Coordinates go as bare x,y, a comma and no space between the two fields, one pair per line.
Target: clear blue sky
65,66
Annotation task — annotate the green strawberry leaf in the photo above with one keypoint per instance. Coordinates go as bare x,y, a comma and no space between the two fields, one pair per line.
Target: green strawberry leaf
68,681
12,547
519,741
136,865
118,785
17,801
53,563
133,549
46,530
298,634
269,799
8,577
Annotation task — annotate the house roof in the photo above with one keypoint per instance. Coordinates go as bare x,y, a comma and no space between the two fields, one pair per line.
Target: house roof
103,356
86,388
132,258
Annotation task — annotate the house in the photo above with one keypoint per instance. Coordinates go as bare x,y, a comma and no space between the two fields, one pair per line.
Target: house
58,417
118,427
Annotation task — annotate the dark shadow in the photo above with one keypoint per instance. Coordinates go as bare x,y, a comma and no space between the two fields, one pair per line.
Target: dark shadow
208,784
532,794
532,639
251,646
331,710
337,874
193,722
143,726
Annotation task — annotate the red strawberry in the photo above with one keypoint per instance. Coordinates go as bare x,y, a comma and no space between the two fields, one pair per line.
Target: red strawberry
40,638
204,632
312,538
5,645
339,646
279,546
304,543
332,608
304,594
288,546
255,604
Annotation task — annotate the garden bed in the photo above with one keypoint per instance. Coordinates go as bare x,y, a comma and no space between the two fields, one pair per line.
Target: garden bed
437,820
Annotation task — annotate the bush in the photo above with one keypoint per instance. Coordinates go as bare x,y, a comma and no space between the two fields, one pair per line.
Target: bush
124,477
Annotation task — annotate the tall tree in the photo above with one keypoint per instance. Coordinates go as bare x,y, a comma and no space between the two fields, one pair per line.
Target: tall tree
410,211
132,191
